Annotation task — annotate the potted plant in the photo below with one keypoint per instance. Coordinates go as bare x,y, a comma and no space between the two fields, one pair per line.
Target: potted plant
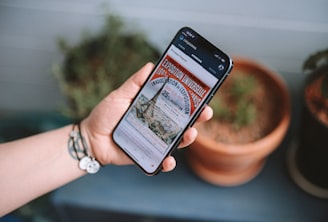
308,157
99,64
251,117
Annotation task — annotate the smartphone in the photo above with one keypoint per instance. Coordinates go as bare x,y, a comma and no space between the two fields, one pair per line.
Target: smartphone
184,80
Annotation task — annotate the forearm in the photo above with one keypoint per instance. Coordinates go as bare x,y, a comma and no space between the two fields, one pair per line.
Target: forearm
33,166
36,165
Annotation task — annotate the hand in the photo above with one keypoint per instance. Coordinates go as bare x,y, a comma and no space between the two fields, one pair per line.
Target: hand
99,125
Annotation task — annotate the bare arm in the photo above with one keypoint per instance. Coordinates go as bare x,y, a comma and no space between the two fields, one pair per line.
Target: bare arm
35,165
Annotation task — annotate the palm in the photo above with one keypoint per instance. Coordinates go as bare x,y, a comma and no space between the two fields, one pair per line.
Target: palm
103,119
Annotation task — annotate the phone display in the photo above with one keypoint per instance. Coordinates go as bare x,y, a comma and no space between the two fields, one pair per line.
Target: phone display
184,80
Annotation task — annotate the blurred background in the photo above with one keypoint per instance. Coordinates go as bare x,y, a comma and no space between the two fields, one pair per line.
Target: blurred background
281,34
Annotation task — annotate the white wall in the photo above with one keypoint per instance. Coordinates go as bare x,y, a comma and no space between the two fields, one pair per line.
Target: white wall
280,34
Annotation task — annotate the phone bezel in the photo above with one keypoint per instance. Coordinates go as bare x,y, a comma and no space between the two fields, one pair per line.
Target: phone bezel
197,111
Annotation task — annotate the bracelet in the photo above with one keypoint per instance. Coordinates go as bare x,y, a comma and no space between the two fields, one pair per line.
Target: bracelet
79,145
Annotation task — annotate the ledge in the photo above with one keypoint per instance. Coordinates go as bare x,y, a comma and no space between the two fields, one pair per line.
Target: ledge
124,192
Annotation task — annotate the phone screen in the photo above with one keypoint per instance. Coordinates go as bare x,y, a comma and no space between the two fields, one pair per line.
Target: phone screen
183,81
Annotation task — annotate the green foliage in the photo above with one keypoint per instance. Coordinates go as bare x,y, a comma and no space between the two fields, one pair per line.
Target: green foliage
314,62
220,110
99,64
245,113
236,106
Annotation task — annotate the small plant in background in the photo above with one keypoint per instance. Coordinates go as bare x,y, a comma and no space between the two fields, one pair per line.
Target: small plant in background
99,64
234,103
308,158
316,92
314,62
252,113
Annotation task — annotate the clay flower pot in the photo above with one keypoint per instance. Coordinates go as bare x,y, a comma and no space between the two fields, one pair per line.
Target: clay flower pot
308,155
234,164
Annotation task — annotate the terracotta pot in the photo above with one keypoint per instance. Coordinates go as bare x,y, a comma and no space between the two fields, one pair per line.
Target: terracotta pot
235,164
308,156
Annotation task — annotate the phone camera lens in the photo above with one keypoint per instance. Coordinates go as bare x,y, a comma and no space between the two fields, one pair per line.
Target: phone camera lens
221,67
181,37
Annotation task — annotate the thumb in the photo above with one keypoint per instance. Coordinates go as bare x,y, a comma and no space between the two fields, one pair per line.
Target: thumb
131,86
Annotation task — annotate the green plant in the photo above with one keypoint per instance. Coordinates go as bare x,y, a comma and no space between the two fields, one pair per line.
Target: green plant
235,103
99,64
314,62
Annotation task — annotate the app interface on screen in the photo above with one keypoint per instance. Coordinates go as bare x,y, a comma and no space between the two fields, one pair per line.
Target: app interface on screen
161,111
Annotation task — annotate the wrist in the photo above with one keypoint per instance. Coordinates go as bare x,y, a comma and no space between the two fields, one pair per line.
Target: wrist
91,140
84,155
86,135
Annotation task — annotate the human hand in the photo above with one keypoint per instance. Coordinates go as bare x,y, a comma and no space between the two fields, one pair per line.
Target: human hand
99,125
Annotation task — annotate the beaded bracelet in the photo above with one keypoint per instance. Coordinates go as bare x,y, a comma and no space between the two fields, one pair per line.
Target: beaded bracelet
79,145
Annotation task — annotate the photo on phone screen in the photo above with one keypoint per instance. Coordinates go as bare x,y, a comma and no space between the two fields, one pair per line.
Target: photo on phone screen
186,77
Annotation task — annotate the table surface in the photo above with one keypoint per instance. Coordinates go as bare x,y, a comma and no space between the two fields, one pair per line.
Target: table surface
271,196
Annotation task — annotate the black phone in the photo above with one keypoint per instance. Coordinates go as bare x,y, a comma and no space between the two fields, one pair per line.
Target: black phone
184,80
